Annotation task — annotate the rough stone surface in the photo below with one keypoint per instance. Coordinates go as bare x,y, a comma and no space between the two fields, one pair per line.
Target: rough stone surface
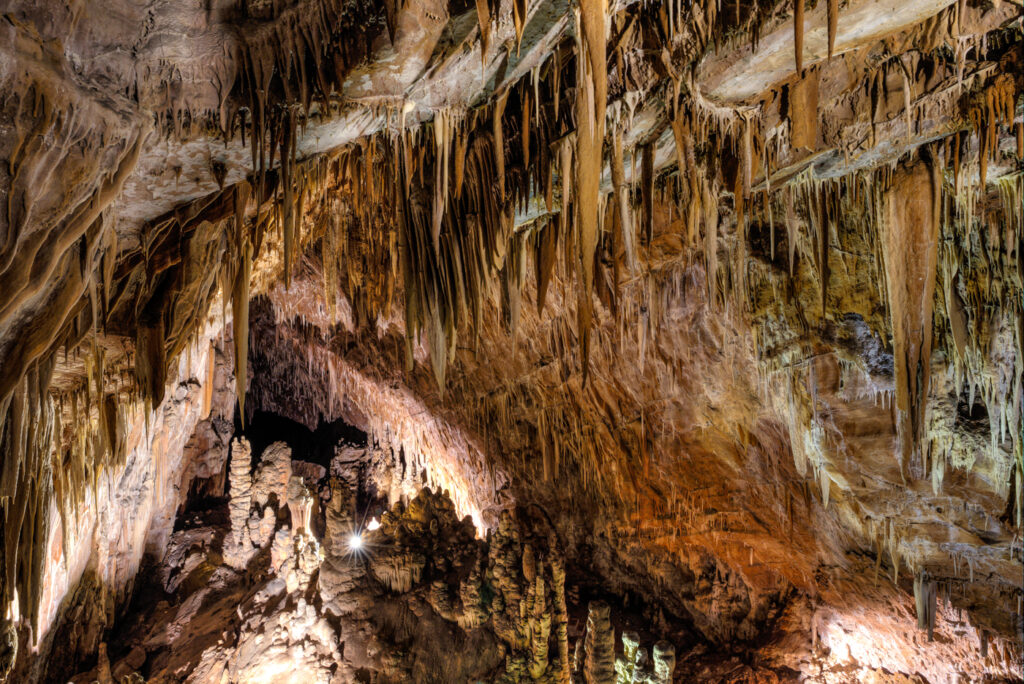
753,392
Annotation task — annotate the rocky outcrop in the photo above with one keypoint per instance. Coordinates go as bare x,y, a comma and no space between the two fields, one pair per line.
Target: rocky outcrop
501,597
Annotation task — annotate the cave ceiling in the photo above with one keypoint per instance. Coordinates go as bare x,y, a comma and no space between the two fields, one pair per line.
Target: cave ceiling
725,296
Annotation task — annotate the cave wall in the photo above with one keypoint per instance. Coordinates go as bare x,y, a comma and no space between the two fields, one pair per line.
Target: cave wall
768,360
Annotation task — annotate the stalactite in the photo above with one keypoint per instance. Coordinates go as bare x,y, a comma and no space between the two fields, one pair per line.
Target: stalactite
460,159
798,35
519,10
240,320
622,204
909,249
924,600
803,111
833,25
686,162
208,381
524,127
546,245
442,140
591,100
825,485
288,200
825,213
565,222
151,359
647,190
938,472
483,14
711,242
499,142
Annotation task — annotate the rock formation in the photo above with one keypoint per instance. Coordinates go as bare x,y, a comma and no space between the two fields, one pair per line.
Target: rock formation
239,547
599,646
670,340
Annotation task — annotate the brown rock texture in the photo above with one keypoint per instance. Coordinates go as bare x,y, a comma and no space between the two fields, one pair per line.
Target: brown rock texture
673,341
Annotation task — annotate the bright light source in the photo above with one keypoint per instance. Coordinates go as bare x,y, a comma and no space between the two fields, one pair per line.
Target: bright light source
355,542
373,524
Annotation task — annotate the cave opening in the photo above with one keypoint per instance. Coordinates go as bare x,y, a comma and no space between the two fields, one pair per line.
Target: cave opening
318,446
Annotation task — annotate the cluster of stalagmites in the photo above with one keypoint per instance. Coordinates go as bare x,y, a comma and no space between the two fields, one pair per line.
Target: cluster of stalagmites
420,598
505,594
254,504
511,586
595,660
122,672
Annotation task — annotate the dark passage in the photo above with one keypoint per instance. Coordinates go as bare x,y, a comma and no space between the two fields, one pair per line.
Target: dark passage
313,446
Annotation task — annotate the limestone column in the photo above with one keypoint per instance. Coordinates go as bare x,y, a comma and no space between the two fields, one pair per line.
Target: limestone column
599,666
235,552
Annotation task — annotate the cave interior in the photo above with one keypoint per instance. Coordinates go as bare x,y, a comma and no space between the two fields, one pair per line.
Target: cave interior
574,342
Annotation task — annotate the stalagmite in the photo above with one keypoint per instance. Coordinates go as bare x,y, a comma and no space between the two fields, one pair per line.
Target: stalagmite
634,667
561,622
664,656
238,551
599,667
8,648
103,674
